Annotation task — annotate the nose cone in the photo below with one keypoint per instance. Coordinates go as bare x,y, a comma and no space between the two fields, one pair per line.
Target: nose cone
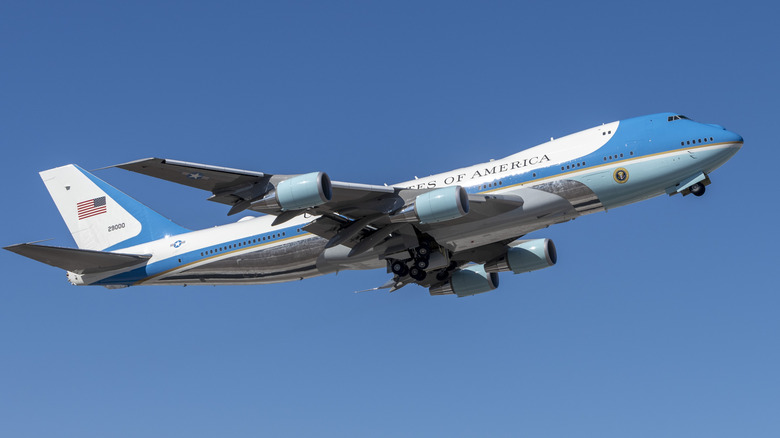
733,143
723,135
734,137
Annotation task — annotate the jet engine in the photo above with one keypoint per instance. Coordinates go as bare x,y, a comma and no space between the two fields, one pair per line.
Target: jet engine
299,192
528,256
435,206
467,281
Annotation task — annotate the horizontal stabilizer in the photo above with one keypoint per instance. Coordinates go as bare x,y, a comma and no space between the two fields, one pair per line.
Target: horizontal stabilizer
80,261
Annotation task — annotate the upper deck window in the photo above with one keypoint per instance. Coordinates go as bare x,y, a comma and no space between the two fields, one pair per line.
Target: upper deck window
677,117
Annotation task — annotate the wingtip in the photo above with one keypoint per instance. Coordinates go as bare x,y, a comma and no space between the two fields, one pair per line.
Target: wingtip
17,245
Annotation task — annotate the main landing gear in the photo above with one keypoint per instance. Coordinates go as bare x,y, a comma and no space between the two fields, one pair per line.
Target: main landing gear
399,268
419,263
417,273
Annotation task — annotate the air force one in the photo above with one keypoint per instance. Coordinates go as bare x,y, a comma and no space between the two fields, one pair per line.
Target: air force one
451,233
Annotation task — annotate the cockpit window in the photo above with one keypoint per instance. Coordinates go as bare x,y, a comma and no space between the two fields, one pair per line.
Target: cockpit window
677,117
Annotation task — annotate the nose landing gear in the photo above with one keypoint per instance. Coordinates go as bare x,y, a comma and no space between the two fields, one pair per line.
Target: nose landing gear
698,189
695,185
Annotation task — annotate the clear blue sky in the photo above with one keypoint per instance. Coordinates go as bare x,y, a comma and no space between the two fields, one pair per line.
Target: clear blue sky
660,319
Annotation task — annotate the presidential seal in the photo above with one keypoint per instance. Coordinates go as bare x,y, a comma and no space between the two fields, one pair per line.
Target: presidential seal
620,175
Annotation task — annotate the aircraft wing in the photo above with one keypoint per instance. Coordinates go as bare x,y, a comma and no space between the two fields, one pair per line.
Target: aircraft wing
223,182
239,188
360,216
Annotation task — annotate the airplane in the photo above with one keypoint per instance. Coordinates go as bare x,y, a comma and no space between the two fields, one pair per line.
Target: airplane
451,233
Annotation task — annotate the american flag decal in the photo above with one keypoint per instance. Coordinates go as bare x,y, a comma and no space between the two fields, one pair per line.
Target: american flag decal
92,207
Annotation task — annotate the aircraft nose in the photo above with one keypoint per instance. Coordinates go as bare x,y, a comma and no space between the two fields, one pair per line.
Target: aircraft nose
728,136
733,137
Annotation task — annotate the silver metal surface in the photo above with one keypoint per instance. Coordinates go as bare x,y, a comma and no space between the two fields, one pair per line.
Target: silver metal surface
581,197
285,262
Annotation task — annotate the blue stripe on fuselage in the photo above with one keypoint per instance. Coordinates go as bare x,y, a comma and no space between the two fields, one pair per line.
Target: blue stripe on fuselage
635,138
154,226
178,261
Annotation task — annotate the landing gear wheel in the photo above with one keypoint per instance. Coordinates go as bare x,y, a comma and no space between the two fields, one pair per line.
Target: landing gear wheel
421,263
698,189
399,268
417,274
423,251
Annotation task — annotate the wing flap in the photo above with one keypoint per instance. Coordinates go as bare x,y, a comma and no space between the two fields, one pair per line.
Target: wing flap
492,205
80,261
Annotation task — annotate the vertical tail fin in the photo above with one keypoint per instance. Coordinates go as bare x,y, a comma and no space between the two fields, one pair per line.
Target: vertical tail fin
101,217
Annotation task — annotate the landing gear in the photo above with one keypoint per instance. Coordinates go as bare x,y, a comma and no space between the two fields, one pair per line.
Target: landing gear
445,273
421,255
399,268
421,263
423,251
698,189
417,273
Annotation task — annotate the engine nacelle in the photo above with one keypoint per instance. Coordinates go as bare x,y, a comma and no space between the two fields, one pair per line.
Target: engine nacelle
299,192
468,281
435,206
526,257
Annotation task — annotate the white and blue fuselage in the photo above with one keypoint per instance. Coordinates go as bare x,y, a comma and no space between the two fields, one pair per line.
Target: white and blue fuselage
593,170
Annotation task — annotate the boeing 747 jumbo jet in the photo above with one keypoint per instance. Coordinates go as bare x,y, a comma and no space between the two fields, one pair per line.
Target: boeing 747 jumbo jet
451,233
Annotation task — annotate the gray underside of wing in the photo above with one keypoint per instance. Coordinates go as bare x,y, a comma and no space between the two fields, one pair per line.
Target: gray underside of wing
80,261
223,182
375,231
233,186
357,215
